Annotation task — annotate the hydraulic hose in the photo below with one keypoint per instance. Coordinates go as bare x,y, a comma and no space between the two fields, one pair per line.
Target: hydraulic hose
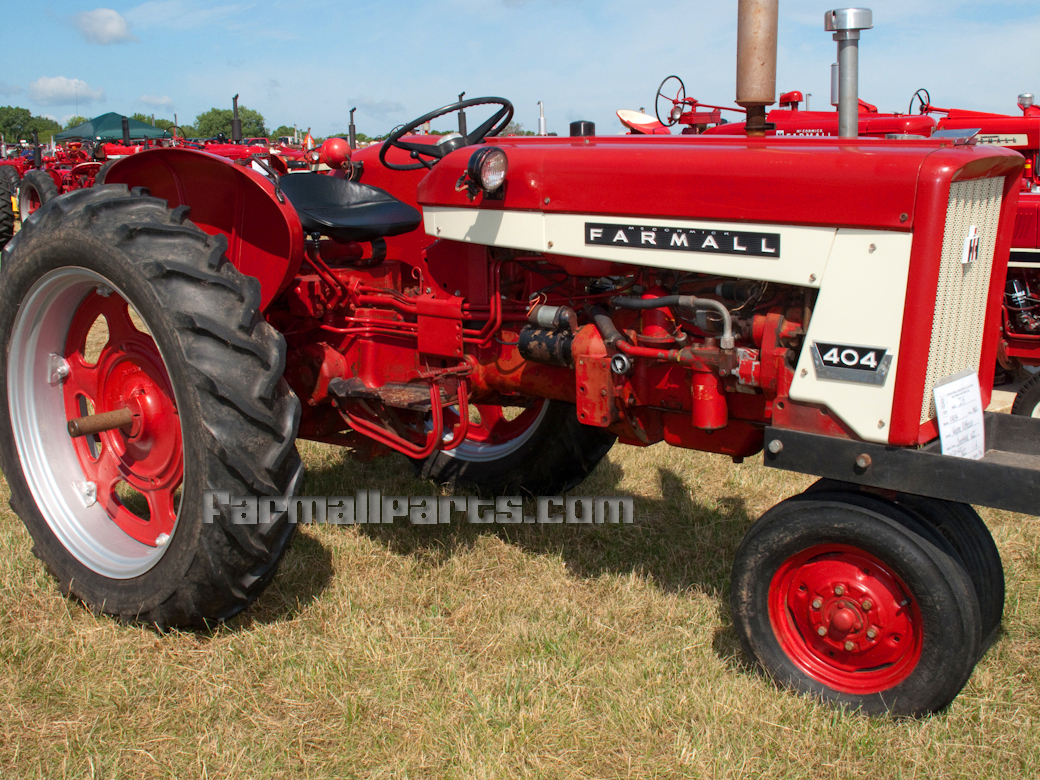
607,329
683,302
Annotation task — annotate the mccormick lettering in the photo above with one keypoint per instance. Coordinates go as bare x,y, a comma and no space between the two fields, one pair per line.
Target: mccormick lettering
723,242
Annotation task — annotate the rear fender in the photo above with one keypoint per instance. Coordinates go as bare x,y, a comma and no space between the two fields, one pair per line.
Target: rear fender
265,239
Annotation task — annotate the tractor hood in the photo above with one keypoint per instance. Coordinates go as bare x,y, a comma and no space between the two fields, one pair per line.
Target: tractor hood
833,182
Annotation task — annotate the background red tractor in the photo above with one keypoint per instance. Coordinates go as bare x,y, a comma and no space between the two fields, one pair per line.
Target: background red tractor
502,311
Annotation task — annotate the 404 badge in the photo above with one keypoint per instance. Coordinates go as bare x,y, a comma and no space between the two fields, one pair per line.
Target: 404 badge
851,363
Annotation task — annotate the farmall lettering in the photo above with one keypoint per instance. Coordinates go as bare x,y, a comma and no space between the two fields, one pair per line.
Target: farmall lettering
723,242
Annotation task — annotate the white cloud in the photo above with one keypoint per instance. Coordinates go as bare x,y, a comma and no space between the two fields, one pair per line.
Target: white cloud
156,102
103,26
9,89
186,14
58,91
378,109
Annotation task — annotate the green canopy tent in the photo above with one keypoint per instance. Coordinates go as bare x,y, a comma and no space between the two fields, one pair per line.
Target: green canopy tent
109,127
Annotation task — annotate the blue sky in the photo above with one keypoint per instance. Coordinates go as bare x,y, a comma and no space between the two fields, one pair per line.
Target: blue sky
308,62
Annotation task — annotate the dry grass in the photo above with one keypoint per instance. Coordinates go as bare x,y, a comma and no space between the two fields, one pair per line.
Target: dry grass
476,652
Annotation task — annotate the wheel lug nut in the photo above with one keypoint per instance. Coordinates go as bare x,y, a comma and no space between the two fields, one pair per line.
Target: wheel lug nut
839,590
867,604
821,631
849,646
817,603
871,633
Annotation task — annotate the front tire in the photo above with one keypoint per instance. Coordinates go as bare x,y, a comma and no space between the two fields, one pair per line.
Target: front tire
955,528
119,516
1027,400
35,189
855,607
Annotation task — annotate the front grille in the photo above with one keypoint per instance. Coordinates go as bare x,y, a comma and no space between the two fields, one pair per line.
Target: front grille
960,297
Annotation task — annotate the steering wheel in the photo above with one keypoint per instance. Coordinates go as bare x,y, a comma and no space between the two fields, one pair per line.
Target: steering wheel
924,102
493,126
679,97
173,130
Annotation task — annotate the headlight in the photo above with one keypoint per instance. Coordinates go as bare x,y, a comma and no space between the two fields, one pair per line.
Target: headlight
488,166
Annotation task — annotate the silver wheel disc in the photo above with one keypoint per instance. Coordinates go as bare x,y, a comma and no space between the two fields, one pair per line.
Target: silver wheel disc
51,467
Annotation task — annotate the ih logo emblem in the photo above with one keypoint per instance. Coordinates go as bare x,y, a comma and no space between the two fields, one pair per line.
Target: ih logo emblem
971,247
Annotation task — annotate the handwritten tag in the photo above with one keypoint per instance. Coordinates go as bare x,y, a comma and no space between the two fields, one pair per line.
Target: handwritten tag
958,404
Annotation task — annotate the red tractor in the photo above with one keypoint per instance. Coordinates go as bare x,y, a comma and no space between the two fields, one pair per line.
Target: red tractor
502,311
1021,319
27,183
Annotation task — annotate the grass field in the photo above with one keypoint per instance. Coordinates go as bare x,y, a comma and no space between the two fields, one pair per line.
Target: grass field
478,652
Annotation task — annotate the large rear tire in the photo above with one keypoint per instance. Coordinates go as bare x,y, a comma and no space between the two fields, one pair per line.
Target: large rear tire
7,196
10,177
855,607
119,517
544,451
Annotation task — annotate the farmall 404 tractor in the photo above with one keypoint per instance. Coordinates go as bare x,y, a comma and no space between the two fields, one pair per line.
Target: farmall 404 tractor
626,288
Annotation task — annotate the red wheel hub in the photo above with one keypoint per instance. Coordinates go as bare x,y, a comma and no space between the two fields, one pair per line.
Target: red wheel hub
845,619
148,456
32,201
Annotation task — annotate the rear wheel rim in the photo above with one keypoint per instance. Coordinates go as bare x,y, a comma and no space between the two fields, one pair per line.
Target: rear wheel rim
845,619
495,436
73,481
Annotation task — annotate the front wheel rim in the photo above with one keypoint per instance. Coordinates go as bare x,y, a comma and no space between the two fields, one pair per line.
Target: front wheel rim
29,202
73,481
845,619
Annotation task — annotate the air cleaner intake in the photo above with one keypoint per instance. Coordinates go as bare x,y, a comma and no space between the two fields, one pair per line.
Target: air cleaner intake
846,24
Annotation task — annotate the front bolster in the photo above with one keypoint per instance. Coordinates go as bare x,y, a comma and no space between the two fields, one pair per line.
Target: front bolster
1008,477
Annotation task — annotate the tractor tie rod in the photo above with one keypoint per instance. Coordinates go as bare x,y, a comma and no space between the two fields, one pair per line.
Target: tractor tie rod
96,423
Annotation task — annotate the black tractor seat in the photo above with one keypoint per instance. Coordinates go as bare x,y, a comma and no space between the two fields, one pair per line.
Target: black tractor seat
346,210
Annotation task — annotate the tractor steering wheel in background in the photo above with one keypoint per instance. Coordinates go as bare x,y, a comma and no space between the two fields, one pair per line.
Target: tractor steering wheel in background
679,97
924,102
449,143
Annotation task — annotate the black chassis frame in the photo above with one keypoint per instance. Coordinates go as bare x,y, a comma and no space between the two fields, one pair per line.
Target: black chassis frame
1007,477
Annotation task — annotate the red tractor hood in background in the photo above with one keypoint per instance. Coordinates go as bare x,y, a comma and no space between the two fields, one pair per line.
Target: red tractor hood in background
808,181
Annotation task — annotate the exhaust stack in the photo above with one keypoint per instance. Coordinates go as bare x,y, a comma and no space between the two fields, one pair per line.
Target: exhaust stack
236,123
846,24
756,60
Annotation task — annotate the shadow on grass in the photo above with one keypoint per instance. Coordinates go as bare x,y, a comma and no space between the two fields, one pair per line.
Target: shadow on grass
676,542
303,575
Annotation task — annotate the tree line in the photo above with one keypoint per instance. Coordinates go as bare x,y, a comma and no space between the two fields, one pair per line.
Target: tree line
19,123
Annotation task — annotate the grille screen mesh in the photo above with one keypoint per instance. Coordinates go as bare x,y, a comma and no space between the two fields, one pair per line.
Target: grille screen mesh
960,298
